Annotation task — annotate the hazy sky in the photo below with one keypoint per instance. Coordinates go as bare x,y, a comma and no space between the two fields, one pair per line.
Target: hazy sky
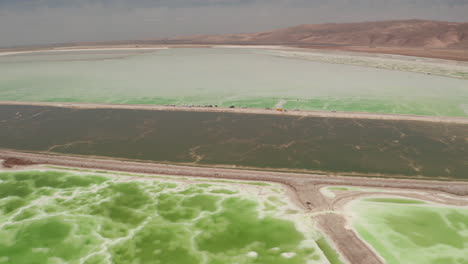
25,22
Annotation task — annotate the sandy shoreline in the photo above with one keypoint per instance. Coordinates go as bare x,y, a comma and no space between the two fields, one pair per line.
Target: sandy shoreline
6,53
300,113
438,54
356,51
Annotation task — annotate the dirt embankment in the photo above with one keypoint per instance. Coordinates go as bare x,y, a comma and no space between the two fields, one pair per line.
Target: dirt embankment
12,162
304,113
304,183
444,54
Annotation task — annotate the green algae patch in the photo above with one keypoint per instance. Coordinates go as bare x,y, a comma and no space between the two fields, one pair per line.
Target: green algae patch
239,221
251,103
338,188
394,200
344,189
66,217
409,232
391,105
327,249
225,191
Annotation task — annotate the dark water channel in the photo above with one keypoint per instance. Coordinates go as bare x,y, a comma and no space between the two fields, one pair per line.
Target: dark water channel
261,141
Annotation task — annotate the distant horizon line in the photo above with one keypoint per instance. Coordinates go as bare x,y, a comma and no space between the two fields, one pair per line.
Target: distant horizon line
168,39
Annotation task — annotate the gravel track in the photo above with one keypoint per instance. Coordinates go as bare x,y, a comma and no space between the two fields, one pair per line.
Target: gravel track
304,113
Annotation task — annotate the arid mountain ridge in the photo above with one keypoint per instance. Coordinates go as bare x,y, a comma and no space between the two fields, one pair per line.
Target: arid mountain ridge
397,33
421,38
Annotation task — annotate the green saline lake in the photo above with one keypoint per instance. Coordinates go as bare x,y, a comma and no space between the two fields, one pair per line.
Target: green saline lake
80,218
338,145
420,233
241,77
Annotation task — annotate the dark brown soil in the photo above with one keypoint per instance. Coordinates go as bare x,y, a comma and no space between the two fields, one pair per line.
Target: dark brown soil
12,162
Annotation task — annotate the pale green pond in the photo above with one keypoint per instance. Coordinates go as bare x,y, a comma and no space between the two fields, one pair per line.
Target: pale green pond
225,77
51,217
408,231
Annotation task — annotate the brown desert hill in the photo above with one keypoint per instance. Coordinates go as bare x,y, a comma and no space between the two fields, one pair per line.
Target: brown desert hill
401,34
422,38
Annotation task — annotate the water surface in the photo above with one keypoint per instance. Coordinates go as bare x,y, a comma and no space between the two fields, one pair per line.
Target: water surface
347,146
222,76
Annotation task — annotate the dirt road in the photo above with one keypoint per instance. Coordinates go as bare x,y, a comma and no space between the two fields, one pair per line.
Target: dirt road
304,113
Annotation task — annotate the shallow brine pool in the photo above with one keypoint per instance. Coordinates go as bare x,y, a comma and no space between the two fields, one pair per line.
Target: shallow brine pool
412,231
239,77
